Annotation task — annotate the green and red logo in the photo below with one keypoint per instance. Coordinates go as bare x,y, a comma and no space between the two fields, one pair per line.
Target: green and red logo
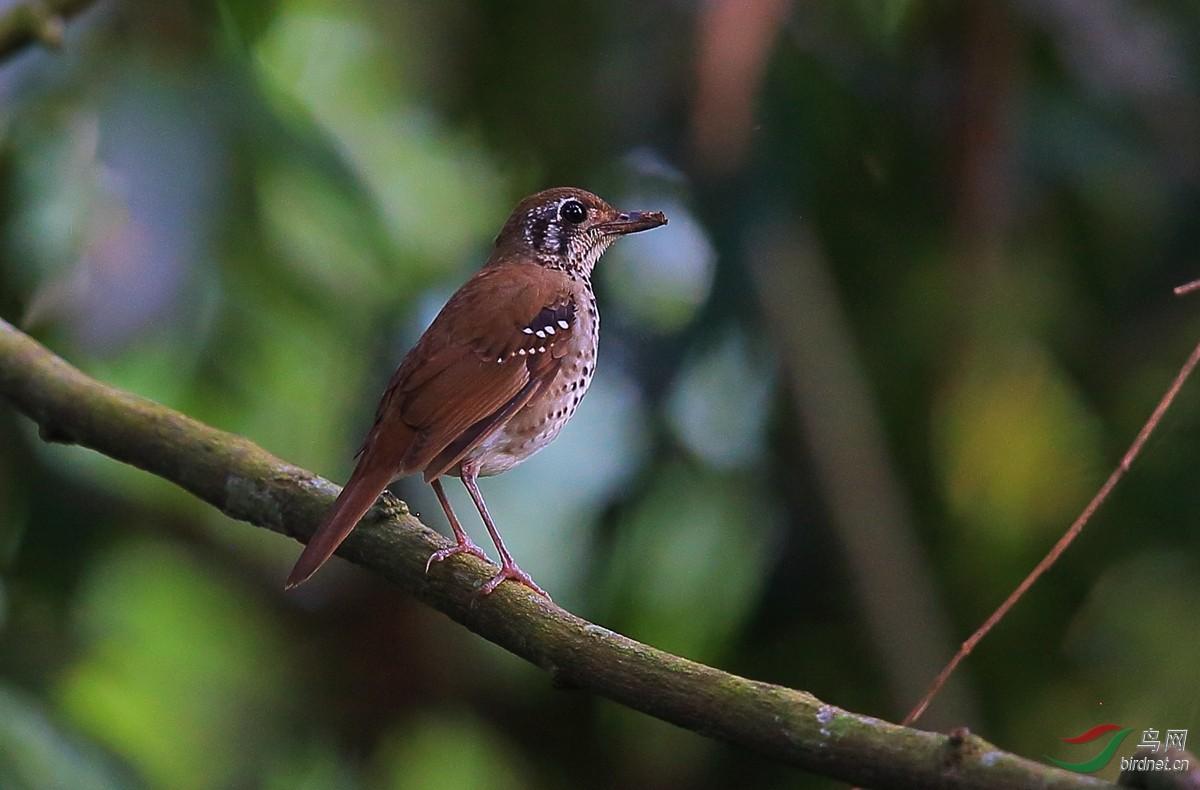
1106,754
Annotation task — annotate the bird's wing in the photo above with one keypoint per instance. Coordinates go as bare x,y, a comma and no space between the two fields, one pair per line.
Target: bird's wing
543,352
494,346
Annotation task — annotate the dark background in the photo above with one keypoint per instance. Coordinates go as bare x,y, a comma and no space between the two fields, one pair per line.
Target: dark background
912,305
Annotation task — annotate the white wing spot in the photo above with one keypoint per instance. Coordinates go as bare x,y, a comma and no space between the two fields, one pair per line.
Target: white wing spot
542,348
563,324
540,333
548,329
521,352
527,330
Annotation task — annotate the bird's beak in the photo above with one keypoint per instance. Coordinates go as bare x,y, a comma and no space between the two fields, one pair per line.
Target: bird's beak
634,221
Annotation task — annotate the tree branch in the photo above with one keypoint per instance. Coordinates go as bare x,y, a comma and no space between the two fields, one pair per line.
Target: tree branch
36,21
249,484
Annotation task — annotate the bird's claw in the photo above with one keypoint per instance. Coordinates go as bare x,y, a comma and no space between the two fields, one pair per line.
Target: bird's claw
515,574
459,548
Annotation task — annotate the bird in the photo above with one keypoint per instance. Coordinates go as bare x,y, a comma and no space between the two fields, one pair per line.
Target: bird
495,377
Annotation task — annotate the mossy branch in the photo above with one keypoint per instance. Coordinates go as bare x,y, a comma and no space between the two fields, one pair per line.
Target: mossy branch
249,484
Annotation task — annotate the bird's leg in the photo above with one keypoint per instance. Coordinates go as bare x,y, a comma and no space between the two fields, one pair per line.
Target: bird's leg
508,567
463,543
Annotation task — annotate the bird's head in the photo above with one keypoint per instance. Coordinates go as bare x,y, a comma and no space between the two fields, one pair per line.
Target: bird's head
569,228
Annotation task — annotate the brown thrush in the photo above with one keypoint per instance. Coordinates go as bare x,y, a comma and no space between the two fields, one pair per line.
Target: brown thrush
495,376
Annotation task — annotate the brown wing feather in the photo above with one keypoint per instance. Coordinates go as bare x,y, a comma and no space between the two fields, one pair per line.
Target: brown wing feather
477,359
545,341
542,373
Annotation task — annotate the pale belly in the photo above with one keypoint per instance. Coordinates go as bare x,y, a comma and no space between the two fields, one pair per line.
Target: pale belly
539,422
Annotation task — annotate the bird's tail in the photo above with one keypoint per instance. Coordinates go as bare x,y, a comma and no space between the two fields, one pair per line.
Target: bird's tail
366,483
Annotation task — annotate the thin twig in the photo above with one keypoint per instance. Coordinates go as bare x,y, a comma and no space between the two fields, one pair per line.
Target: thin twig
1187,288
1070,535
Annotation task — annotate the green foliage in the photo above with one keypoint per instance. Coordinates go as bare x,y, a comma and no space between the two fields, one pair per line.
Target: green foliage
35,752
177,671
446,751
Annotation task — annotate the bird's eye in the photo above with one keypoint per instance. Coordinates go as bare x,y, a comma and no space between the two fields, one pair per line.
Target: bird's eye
573,211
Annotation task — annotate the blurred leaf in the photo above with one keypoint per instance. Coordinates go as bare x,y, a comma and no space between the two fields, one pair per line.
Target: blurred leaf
1133,603
720,402
320,236
119,235
881,20
449,752
35,754
1017,448
244,21
437,189
56,185
180,673
309,766
690,560
660,754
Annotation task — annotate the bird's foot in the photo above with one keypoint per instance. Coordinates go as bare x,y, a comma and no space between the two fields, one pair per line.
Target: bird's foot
462,547
511,571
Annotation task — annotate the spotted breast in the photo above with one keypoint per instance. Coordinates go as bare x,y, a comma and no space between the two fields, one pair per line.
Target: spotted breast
576,325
